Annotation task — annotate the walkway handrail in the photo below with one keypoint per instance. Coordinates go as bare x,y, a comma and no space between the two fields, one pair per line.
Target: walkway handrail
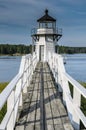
82,91
62,78
7,91
76,84
12,94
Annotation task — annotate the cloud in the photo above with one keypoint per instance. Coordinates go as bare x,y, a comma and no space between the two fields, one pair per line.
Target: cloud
74,2
22,12
18,17
78,12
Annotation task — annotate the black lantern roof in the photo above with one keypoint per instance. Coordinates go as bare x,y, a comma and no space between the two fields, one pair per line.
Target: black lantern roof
46,18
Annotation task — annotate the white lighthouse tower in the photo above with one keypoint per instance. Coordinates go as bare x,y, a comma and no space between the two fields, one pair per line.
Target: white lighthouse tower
45,37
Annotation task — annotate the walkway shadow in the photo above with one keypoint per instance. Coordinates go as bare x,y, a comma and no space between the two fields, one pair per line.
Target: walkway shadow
37,105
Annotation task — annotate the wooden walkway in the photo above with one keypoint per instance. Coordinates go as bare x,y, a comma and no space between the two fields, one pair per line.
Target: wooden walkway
42,106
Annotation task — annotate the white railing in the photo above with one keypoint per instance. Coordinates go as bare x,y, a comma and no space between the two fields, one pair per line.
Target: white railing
12,94
63,79
46,31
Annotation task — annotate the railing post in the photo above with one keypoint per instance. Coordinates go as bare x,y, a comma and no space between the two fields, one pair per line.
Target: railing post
30,69
27,72
32,63
17,96
31,60
25,77
56,72
61,80
19,85
25,82
77,103
10,106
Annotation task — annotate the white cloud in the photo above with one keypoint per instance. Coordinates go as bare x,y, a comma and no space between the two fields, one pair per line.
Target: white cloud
19,16
74,2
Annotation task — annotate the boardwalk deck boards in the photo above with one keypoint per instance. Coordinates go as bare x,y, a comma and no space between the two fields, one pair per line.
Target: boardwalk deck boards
42,106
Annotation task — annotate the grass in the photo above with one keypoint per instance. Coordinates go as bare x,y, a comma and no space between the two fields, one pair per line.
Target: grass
71,89
4,109
2,86
83,101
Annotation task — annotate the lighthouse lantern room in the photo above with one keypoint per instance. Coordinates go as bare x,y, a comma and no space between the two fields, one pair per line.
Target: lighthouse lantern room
45,37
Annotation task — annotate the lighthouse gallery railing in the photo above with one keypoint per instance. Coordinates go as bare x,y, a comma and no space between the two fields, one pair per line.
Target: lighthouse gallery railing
46,31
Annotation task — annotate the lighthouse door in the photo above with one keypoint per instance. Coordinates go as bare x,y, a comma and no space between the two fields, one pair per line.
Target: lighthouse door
41,54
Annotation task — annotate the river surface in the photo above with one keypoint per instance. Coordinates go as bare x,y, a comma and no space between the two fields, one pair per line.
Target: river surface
75,66
9,66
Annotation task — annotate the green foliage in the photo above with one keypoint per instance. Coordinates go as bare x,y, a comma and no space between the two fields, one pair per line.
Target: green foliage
13,49
83,84
3,112
83,101
9,49
70,50
2,86
4,109
71,89
83,105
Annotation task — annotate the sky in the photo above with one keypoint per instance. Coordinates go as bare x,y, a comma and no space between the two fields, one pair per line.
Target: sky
18,17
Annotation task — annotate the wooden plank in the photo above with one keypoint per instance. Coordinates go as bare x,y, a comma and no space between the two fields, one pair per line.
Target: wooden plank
50,127
68,126
37,122
29,127
59,127
47,104
31,119
19,127
48,110
55,112
42,103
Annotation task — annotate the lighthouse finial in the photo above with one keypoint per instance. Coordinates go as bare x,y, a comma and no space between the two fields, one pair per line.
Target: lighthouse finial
46,11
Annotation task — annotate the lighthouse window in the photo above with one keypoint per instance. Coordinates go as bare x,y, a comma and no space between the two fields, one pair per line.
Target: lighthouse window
50,25
47,25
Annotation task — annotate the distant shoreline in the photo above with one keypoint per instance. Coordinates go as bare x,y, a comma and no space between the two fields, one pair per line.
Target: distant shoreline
9,49
16,54
19,50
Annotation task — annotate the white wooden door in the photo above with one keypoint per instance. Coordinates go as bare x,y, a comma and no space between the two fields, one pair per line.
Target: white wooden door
41,54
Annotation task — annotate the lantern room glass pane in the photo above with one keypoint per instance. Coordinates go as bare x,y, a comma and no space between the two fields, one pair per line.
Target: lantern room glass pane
47,25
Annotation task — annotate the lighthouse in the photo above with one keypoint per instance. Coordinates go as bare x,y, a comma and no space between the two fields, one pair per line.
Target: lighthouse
45,37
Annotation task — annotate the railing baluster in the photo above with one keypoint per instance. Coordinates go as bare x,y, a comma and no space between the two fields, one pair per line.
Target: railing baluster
27,72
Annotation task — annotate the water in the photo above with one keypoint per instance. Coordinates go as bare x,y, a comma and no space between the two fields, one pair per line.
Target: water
76,66
9,66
